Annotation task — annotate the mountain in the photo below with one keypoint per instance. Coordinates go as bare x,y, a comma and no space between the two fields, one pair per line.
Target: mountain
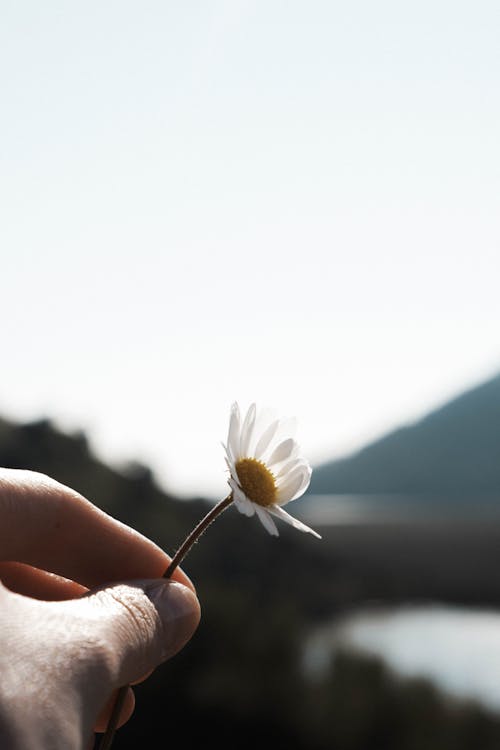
453,450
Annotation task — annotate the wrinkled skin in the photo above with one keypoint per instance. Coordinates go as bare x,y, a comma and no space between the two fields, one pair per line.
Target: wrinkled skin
83,611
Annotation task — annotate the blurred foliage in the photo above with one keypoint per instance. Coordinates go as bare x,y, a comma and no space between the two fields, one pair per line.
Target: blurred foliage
240,681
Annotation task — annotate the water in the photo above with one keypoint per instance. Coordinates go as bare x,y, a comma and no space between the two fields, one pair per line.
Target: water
457,649
386,509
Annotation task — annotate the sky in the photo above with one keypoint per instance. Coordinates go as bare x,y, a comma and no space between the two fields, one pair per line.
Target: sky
293,203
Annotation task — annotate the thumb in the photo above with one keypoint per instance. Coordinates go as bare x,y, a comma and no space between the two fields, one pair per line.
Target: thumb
139,624
75,653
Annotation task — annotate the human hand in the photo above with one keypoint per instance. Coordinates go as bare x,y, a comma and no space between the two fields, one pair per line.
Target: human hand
64,650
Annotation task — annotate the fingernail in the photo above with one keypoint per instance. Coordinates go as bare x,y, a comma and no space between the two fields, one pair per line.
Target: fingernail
179,611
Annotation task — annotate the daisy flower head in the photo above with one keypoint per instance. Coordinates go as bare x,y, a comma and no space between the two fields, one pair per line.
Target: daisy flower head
265,467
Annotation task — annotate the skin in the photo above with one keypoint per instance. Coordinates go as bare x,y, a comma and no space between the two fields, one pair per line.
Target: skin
83,611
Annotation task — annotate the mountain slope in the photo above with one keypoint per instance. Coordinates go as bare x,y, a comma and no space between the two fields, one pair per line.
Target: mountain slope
454,449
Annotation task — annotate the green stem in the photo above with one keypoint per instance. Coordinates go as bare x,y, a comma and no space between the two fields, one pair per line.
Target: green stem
179,556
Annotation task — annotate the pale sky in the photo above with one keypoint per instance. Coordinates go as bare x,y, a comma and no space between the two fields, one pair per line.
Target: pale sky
296,203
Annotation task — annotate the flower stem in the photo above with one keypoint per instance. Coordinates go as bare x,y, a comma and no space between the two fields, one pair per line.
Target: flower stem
196,533
179,556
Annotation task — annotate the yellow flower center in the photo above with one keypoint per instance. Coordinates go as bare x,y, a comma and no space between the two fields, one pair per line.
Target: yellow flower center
256,481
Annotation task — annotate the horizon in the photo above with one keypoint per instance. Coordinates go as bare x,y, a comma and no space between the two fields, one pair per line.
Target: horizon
121,462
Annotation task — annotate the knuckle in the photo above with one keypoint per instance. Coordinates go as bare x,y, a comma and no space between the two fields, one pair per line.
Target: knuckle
136,624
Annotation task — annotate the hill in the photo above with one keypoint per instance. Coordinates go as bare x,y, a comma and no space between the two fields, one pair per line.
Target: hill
453,450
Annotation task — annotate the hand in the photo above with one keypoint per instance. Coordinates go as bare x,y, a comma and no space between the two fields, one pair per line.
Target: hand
64,650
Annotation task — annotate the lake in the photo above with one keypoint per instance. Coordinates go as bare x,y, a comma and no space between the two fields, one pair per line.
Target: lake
396,508
421,559
458,649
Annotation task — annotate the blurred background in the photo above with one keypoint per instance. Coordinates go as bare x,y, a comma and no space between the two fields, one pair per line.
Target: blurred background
295,204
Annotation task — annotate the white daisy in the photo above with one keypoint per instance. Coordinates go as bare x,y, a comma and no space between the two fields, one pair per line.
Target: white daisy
266,469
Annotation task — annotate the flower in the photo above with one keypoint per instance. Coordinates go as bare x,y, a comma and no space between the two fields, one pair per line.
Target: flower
266,469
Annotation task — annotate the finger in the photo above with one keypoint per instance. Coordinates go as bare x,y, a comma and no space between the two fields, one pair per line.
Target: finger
52,527
38,584
125,713
139,624
120,633
95,644
160,615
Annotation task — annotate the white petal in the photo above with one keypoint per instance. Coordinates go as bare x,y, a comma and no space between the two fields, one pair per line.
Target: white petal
247,431
244,505
288,428
280,513
265,439
240,499
295,485
233,438
266,520
288,489
287,468
234,484
283,451
227,452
